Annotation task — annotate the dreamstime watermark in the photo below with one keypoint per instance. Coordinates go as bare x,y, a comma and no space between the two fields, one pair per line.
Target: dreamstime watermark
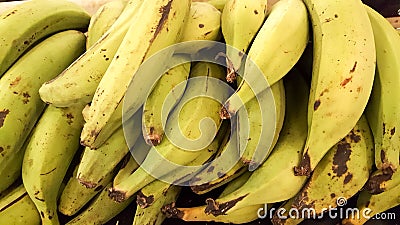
338,211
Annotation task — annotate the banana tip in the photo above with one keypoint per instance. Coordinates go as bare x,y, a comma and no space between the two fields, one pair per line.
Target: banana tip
171,211
117,196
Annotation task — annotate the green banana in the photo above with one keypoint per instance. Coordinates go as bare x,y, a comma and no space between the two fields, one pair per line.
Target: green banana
48,155
159,25
370,205
255,120
17,208
75,195
165,95
383,110
240,22
203,23
279,164
342,76
273,52
97,164
152,215
26,24
218,4
100,210
190,110
341,173
379,182
79,81
20,105
103,19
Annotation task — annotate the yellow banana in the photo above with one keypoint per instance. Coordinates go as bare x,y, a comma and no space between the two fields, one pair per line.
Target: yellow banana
79,81
265,178
17,208
48,155
100,210
342,76
182,137
341,173
273,52
103,19
240,22
155,26
20,105
383,109
24,25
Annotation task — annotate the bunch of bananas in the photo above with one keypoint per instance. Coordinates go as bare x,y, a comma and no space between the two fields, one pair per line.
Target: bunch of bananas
301,117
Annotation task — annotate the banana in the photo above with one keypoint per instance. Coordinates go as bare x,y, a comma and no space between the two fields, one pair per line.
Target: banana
383,111
235,184
97,164
181,134
165,95
218,4
286,217
370,205
279,164
51,148
17,208
341,173
342,76
379,182
159,24
254,125
273,52
100,210
24,25
79,81
240,22
75,195
103,19
152,215
203,23
243,215
151,193
20,105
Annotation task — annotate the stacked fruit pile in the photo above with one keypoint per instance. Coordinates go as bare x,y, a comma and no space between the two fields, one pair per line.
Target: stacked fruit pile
129,105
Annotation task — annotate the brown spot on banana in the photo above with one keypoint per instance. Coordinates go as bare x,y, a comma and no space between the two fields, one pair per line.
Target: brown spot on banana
144,201
210,169
86,183
218,209
15,82
347,178
171,211
346,81
304,168
300,202
373,185
354,67
317,103
116,195
393,131
342,155
152,138
3,115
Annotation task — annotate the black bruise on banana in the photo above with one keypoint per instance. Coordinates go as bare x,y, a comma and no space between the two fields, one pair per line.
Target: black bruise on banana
373,185
144,201
3,115
217,209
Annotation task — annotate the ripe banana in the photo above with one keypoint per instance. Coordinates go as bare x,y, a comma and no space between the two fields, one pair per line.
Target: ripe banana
182,135
265,178
17,208
370,205
218,4
383,110
20,105
51,148
103,19
97,164
273,52
203,23
165,95
342,76
79,81
255,120
152,215
243,215
24,25
379,182
341,173
159,24
75,195
240,22
100,210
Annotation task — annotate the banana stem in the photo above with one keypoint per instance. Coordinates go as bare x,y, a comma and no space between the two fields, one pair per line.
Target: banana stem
91,6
